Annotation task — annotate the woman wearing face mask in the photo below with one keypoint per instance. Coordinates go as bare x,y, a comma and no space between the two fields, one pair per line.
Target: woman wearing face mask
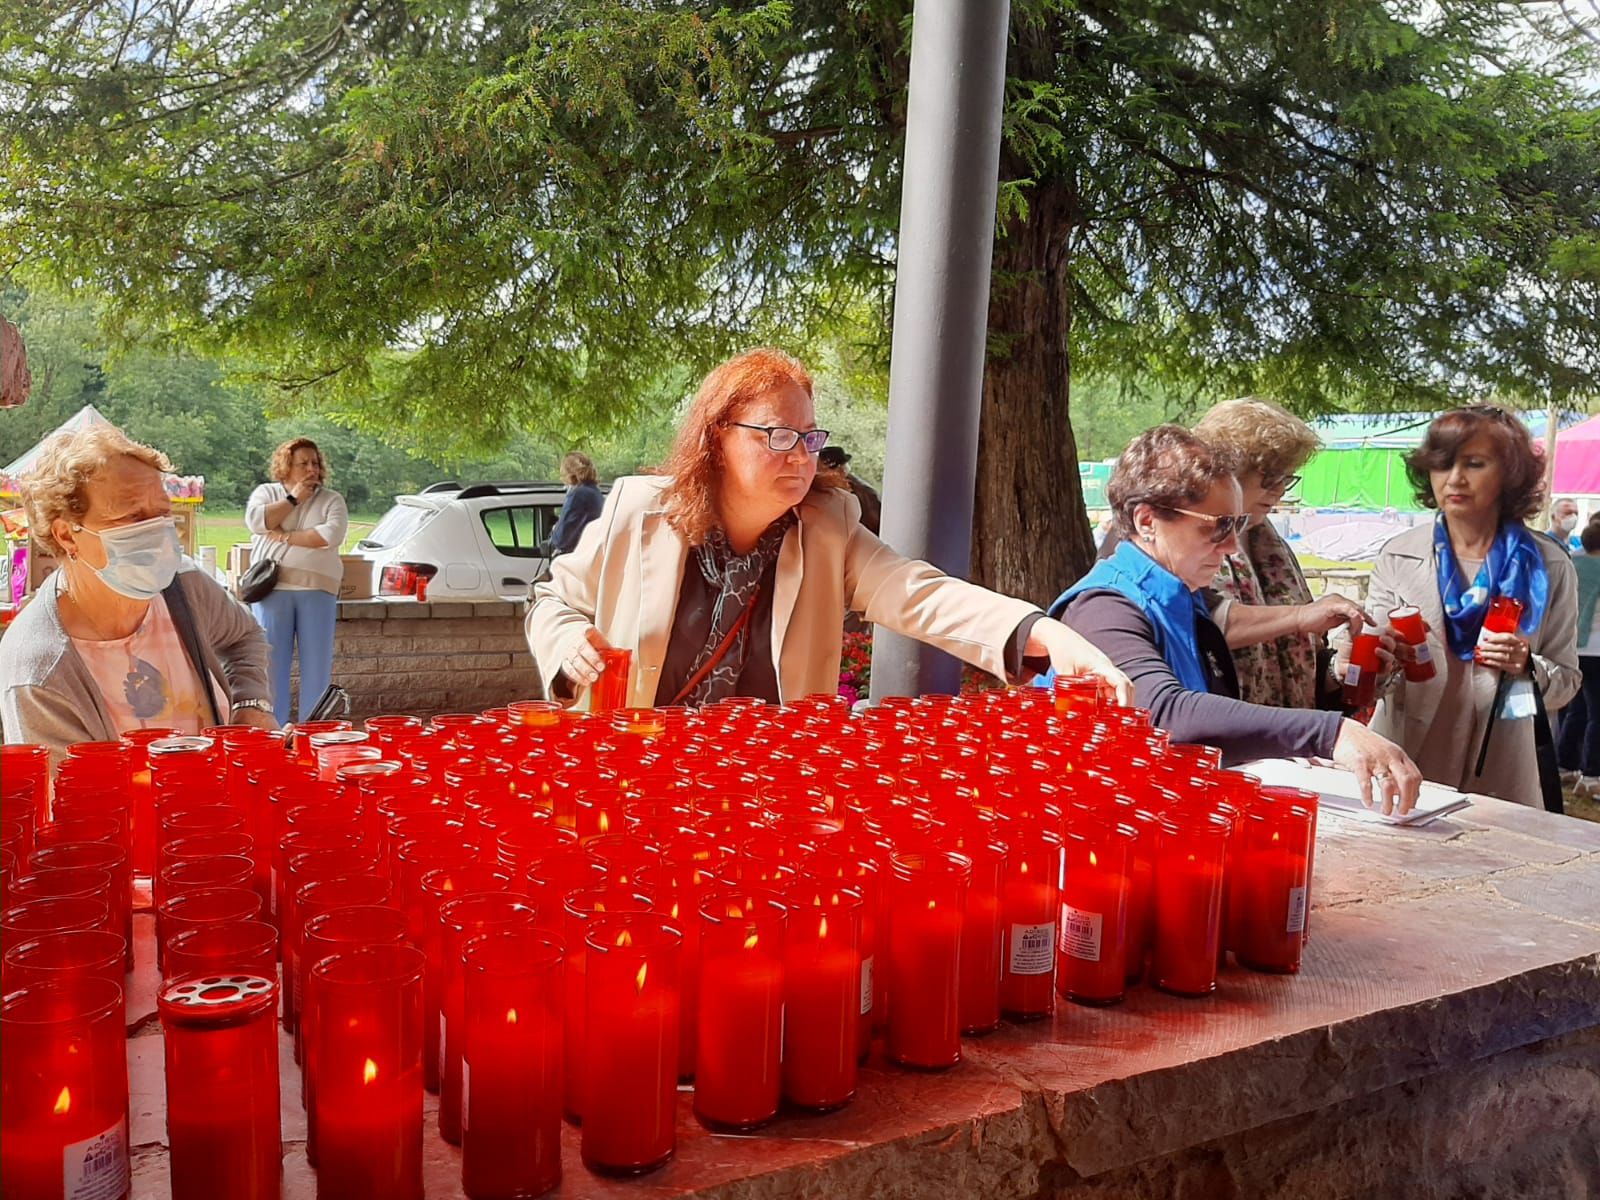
730,573
122,636
1478,468
1179,511
301,523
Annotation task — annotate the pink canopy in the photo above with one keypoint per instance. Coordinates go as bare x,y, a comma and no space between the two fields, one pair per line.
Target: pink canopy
1578,459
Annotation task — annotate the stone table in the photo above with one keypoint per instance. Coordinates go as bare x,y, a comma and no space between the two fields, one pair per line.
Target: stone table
1442,1039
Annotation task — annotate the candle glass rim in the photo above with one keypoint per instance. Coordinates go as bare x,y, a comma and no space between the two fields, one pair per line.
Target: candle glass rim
777,906
114,947
113,855
952,864
171,907
93,1008
405,965
94,889
539,949
266,936
9,914
659,934
514,906
316,926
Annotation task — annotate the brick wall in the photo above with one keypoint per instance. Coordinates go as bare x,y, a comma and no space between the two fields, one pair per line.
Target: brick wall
398,656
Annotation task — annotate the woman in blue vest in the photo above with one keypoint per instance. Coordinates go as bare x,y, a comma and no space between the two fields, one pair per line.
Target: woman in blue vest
1178,509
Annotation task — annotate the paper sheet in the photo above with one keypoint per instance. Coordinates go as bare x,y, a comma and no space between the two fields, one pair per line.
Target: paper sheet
1338,789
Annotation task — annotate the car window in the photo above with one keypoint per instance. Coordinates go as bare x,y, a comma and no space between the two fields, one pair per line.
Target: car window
399,523
518,531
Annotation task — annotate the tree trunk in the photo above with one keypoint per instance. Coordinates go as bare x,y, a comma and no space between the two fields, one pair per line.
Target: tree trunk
1030,531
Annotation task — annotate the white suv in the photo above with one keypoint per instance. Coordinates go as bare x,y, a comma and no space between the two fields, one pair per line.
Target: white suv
478,541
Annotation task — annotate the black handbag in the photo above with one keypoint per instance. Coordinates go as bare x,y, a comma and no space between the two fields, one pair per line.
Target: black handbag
259,578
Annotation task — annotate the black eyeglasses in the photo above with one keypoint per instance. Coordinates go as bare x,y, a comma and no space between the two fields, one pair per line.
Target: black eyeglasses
1224,527
1280,483
781,439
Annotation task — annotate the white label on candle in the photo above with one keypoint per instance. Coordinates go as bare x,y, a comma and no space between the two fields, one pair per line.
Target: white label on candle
466,1091
97,1167
1297,910
866,985
1352,676
1424,655
441,1043
1033,949
1080,933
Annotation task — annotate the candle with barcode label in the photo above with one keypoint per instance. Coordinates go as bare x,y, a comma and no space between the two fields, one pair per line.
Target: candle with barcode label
1028,910
1361,673
1274,879
1091,959
511,1064
64,1092
737,1076
822,992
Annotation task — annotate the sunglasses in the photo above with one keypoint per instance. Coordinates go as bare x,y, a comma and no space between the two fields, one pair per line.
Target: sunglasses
1223,527
1280,483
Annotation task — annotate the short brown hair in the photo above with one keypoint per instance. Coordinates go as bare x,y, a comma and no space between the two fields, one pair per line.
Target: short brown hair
1262,436
576,468
1589,539
284,455
1521,465
55,486
1168,467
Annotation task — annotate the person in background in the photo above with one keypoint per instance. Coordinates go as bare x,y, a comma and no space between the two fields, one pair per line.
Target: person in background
1179,513
125,634
1280,649
730,573
582,505
1579,747
836,458
1478,468
1564,523
301,522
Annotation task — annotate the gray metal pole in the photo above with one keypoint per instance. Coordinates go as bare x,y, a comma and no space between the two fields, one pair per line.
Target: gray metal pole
941,308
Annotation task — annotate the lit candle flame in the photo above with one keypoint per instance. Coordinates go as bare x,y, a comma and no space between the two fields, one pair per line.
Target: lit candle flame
64,1102
639,978
750,942
1024,867
369,1072
674,910
931,905
822,928
624,938
1093,861
605,823
511,1016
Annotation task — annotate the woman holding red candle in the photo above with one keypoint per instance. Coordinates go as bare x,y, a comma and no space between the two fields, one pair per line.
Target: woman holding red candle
1478,468
1180,511
731,572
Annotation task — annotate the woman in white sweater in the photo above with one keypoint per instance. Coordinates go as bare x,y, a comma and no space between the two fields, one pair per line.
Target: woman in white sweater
300,523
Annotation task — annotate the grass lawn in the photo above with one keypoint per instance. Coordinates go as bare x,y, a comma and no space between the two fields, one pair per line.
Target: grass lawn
222,527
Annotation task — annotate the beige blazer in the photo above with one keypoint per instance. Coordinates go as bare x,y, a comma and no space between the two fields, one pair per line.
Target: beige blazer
1441,728
624,575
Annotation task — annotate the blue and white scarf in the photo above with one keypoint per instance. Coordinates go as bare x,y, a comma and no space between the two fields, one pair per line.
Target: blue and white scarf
1514,567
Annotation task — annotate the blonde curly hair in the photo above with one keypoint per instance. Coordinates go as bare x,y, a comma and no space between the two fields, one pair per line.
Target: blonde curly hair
56,486
1261,436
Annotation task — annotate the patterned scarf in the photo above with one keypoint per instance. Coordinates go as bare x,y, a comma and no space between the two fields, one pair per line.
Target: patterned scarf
737,577
1281,673
1514,567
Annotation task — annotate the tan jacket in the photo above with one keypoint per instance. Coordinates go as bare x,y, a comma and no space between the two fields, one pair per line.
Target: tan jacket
1428,719
623,578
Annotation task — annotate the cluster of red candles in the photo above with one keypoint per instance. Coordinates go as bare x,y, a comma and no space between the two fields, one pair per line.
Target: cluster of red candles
536,912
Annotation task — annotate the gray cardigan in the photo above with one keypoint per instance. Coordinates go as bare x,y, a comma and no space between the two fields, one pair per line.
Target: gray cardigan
49,698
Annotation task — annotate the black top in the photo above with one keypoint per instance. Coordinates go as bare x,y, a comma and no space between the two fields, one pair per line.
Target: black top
1216,717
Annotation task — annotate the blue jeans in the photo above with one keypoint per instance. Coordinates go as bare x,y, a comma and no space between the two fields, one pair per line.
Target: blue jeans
1579,747
307,618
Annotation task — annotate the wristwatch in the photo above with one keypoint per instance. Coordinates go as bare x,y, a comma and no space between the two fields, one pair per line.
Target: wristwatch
294,501
264,705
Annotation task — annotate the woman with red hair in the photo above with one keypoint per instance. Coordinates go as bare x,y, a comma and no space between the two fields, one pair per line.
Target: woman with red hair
730,573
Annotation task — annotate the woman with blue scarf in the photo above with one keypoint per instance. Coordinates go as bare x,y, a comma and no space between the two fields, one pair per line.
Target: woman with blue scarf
1178,509
1478,468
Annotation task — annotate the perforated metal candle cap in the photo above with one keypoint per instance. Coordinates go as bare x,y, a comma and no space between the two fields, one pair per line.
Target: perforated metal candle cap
224,998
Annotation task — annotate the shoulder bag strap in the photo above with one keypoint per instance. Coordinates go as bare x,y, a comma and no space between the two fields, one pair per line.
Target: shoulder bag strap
183,622
721,652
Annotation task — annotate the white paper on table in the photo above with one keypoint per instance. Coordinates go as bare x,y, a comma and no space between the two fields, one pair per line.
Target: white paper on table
1339,789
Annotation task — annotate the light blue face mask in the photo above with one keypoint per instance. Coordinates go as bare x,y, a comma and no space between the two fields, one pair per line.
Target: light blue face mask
141,559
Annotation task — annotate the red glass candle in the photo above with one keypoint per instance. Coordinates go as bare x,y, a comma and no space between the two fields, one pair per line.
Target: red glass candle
581,907
223,1129
79,829
206,906
56,956
610,691
821,995
1190,852
739,1034
65,883
368,1051
1091,965
860,875
1504,615
601,811
511,1064
142,796
228,948
33,918
1361,676
1408,624
22,763
1273,891
100,856
311,898
64,1092
1029,903
981,963
927,895
459,921
630,1050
